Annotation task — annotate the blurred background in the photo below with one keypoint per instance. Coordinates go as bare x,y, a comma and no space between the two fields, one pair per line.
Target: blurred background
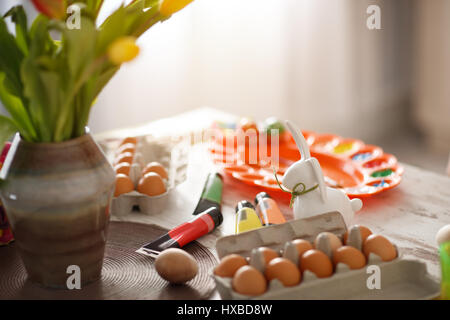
313,61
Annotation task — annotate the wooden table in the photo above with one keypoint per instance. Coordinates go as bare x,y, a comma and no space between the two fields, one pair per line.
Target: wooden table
409,215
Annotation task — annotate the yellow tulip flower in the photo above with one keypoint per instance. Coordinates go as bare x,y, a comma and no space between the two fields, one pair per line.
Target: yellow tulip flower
122,50
169,7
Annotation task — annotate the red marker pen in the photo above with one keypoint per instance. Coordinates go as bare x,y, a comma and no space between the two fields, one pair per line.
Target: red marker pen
184,233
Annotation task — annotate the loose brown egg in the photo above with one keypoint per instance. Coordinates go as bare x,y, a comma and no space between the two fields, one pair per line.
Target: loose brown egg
176,266
317,262
127,147
365,232
350,256
123,185
229,265
283,270
123,167
335,242
380,246
157,168
151,184
269,254
132,140
302,246
124,157
249,281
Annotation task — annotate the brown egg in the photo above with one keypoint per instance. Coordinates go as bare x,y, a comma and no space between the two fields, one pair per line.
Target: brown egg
335,242
350,256
176,265
283,270
123,167
127,147
317,262
124,157
132,140
268,254
380,246
157,168
151,184
365,232
123,185
249,281
302,246
229,265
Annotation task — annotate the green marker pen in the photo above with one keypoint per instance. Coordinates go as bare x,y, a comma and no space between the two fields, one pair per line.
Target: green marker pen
211,194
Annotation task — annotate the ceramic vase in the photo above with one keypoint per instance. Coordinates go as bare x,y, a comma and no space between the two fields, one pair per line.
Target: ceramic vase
57,198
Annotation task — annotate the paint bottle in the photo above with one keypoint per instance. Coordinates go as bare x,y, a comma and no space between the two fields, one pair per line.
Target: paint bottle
443,241
211,194
268,210
444,252
246,217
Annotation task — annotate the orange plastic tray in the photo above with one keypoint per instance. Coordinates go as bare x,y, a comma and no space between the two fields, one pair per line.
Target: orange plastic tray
360,170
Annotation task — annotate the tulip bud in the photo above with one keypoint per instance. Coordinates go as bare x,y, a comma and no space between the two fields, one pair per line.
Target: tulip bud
169,7
55,9
123,49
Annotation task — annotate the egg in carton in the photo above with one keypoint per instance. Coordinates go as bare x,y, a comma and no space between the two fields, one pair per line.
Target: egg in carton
399,278
149,149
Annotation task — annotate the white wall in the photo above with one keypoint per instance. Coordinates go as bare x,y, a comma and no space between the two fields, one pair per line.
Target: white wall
156,84
229,55
432,76
312,60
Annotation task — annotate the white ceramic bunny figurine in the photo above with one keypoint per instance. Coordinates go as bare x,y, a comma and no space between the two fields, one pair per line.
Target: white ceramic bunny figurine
306,174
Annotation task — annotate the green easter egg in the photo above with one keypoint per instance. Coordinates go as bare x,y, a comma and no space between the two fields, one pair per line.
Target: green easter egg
382,173
273,123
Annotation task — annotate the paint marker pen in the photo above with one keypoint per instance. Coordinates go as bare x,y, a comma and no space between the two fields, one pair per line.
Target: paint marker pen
187,232
444,252
211,194
268,210
246,217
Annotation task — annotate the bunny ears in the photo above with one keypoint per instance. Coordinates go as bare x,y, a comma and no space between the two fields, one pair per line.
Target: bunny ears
306,156
299,140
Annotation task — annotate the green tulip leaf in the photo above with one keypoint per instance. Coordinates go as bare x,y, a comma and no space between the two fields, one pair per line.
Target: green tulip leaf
17,110
10,59
19,17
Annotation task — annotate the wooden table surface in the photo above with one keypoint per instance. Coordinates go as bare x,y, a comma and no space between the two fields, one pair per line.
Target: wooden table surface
409,215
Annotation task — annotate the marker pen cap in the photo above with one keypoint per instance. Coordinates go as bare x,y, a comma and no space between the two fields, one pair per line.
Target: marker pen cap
216,215
260,196
244,204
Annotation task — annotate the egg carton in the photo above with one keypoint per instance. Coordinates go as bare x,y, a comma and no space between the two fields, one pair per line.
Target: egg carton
399,278
172,156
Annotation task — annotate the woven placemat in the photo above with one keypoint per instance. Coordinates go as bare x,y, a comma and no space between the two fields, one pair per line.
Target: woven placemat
125,275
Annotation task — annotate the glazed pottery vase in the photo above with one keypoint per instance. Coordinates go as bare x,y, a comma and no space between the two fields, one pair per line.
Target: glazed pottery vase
57,198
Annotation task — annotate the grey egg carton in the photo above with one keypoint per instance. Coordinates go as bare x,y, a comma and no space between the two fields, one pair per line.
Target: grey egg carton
399,278
171,156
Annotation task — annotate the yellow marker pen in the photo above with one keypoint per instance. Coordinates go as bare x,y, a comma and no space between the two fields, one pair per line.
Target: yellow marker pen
246,217
268,210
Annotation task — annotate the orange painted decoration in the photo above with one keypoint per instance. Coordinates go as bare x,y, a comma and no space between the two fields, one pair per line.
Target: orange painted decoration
360,170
